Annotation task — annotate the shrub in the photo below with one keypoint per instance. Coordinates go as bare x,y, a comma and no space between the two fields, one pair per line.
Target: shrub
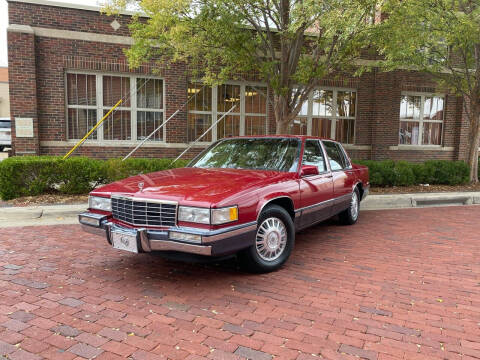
26,176
35,175
402,173
116,169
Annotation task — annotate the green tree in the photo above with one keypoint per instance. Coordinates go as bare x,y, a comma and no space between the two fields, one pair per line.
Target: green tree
291,44
440,37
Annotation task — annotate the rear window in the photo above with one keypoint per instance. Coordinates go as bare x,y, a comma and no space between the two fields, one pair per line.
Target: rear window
5,124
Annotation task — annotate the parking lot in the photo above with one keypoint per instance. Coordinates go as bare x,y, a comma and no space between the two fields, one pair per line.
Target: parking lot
401,284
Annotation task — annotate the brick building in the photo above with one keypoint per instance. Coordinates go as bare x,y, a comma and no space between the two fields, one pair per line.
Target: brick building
67,68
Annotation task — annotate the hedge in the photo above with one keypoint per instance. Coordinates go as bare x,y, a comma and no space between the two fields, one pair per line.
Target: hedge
402,173
35,175
29,176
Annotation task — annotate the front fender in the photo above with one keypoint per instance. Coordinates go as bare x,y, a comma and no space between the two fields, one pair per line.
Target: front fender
272,197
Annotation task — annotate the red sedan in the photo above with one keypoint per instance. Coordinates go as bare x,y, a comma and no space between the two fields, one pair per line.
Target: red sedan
245,195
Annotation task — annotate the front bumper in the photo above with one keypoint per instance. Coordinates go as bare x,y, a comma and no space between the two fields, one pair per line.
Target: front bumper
213,242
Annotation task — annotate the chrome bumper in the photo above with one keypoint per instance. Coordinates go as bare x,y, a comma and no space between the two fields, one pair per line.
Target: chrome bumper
209,242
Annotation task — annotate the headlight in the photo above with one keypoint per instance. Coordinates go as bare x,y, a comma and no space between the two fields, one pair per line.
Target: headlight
224,215
99,203
193,214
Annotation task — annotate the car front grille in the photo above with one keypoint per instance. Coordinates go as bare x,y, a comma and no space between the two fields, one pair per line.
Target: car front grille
144,212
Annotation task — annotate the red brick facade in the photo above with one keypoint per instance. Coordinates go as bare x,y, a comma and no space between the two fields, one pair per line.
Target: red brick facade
46,41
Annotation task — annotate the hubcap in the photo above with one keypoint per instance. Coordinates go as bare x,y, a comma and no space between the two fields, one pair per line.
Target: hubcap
271,239
354,206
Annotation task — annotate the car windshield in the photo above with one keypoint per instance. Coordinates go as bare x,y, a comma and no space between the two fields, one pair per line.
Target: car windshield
278,154
5,124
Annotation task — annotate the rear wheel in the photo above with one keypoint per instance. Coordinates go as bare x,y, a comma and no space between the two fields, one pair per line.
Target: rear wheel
2,148
274,241
350,216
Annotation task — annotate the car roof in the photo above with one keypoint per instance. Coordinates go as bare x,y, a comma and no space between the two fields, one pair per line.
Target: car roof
300,137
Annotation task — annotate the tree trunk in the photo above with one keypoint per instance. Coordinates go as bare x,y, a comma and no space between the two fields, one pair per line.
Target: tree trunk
282,114
474,144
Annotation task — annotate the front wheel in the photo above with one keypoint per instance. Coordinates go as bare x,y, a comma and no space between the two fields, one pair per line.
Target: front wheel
274,241
350,216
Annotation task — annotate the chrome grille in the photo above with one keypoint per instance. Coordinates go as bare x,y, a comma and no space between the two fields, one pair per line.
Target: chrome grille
144,212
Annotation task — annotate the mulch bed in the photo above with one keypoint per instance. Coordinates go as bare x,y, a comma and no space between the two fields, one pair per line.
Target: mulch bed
423,189
58,199
47,199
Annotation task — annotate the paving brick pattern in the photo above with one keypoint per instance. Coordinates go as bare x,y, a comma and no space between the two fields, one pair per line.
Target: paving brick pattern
399,285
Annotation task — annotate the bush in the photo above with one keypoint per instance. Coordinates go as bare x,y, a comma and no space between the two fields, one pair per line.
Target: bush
35,175
402,173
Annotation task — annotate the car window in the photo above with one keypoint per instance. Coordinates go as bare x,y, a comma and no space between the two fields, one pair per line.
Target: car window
335,156
5,124
313,155
278,154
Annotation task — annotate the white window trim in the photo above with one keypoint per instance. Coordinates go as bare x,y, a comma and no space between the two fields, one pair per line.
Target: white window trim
216,114
421,121
132,108
333,118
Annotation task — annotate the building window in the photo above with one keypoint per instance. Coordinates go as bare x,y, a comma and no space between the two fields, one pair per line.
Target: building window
81,105
328,113
249,116
91,96
421,119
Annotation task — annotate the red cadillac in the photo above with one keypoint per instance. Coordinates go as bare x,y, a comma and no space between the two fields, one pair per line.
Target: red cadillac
245,195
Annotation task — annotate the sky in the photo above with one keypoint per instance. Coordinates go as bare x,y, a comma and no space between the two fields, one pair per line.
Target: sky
4,24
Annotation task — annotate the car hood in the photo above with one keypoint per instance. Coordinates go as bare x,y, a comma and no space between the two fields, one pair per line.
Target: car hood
203,187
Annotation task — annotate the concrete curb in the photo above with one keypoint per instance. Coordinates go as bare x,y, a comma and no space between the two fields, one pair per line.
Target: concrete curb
67,214
405,201
40,215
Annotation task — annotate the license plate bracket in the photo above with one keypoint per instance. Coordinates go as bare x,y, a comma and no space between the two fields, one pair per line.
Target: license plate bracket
126,241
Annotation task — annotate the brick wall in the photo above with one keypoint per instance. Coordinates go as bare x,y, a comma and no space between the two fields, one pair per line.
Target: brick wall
38,66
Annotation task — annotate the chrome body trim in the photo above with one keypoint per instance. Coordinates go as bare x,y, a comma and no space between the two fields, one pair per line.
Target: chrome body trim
133,198
137,201
272,199
93,230
158,240
230,232
160,245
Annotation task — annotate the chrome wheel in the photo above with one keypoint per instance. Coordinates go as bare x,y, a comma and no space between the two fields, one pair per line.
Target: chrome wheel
354,206
271,239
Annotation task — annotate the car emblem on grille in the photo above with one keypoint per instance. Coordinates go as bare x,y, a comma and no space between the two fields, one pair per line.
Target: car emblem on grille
125,241
141,185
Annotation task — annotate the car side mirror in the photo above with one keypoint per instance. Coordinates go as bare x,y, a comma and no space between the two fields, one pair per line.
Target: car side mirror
309,170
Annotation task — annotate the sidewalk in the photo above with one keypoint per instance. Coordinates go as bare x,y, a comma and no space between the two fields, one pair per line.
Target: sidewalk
67,214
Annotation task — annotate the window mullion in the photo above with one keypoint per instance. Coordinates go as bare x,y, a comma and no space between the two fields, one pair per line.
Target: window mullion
214,112
420,125
133,106
242,110
333,131
309,113
99,88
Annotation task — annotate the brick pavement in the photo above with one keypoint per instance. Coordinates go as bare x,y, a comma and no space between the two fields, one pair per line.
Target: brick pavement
400,284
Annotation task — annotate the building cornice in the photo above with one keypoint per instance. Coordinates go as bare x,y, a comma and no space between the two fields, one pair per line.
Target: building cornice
69,6
71,35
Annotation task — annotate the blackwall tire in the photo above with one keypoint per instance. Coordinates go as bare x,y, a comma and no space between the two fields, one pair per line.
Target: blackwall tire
274,241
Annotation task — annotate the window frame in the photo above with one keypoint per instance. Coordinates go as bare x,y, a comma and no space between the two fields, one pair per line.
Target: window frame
215,113
100,108
333,118
421,119
323,153
348,164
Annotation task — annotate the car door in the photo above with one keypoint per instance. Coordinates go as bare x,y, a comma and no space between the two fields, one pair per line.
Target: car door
316,191
342,181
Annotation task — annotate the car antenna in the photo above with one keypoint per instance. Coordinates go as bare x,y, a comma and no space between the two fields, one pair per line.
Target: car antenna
205,133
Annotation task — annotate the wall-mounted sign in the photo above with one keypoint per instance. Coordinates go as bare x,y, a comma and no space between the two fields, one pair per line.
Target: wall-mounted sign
24,127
